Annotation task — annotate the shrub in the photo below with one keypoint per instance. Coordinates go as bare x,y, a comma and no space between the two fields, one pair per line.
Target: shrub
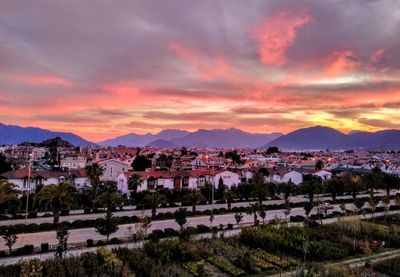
64,212
46,226
26,250
230,226
44,247
169,232
87,211
89,243
100,243
32,215
33,227
115,241
201,228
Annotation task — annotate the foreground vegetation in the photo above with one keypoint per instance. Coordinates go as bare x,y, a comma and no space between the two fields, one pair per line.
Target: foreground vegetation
262,250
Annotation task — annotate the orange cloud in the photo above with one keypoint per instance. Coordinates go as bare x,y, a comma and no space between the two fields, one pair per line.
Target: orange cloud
339,63
40,80
208,69
277,34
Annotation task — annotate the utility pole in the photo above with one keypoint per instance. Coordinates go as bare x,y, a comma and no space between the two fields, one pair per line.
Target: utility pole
29,188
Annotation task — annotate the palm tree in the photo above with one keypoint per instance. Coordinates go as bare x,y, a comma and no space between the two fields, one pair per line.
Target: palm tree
287,189
373,180
390,181
229,196
253,209
56,197
134,182
259,188
154,200
334,186
351,184
193,198
8,193
94,171
311,186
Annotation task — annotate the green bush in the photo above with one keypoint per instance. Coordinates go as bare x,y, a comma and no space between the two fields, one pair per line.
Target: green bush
44,247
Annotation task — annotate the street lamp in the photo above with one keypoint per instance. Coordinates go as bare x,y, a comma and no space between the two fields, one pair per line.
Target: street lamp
212,186
29,188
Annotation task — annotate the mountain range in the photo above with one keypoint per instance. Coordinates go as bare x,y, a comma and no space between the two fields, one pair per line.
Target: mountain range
319,137
10,134
220,138
312,138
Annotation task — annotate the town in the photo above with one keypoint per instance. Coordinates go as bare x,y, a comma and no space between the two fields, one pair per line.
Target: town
132,193
185,138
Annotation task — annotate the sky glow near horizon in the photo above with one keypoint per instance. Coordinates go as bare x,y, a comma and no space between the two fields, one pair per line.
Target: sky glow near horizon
106,68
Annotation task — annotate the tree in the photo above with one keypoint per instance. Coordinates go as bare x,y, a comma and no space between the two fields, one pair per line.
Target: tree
180,216
253,210
272,189
312,185
259,190
62,235
373,180
94,172
263,214
272,150
153,200
390,181
140,163
193,198
134,182
351,184
10,237
234,156
164,162
307,208
335,187
238,218
55,198
5,164
109,198
107,226
8,196
319,165
229,196
287,189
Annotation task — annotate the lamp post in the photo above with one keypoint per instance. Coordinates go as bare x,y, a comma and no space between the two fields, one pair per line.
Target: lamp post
29,188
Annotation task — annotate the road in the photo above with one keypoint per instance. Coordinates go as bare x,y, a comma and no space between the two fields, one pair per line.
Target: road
130,210
81,235
193,222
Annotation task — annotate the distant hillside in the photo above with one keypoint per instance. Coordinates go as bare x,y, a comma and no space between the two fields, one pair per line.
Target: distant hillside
133,140
320,138
10,134
161,143
228,138
54,142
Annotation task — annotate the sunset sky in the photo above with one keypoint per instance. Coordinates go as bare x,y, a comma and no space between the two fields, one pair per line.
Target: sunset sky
106,68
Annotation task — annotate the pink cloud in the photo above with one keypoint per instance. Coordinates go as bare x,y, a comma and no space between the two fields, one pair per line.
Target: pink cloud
277,34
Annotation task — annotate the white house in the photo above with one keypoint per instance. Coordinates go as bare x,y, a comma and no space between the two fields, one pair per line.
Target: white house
20,178
323,174
113,168
195,179
73,162
285,176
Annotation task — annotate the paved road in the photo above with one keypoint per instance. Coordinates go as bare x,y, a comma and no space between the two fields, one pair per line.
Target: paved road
78,214
81,235
75,252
